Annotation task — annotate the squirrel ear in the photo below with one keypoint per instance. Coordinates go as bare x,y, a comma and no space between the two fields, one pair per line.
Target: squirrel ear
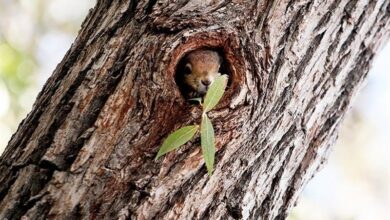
188,68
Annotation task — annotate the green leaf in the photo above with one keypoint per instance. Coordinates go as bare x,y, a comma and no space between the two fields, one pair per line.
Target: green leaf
177,138
215,93
207,140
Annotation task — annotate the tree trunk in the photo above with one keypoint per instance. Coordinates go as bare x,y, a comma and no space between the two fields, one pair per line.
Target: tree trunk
87,148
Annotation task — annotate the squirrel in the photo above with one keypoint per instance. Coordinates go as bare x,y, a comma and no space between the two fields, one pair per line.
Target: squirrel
201,68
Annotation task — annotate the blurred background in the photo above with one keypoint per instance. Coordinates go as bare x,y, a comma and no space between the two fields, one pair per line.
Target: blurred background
355,184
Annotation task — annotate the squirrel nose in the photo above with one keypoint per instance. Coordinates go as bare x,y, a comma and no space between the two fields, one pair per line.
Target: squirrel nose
206,82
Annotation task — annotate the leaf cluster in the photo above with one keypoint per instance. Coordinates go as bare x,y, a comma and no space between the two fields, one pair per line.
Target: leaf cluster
207,135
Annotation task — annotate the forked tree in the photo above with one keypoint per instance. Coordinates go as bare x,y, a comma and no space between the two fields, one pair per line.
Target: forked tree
87,149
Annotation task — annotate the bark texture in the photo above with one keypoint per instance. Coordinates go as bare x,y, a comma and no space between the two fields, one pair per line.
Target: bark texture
87,148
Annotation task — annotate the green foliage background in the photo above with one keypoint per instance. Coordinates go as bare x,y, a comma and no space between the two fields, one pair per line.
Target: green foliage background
34,36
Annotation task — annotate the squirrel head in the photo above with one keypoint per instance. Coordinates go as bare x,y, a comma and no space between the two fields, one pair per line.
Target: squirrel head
201,69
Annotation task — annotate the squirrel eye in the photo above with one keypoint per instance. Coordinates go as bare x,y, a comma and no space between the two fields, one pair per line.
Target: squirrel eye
187,69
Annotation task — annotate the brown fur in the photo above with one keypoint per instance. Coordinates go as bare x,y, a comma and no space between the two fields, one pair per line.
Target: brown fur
203,65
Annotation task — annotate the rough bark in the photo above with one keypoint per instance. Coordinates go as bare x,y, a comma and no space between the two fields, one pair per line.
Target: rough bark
87,148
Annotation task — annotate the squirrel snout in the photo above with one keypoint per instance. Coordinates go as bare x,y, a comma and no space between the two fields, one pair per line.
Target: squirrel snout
206,82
